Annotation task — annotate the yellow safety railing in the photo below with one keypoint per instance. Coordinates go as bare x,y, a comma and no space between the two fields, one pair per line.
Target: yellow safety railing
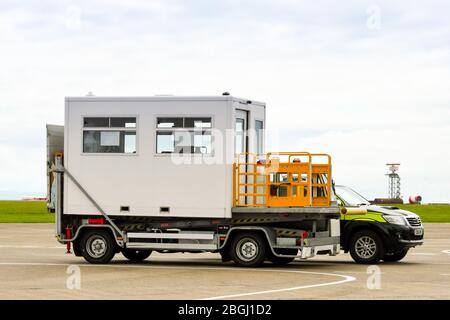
282,179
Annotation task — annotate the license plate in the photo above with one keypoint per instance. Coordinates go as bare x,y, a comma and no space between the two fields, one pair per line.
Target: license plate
418,232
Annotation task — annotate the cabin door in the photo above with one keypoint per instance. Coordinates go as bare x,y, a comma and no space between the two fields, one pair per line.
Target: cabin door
240,147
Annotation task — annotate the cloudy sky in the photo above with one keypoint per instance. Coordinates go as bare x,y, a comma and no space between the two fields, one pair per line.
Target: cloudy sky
366,81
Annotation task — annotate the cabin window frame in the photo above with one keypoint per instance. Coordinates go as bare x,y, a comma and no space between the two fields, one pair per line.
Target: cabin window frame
183,129
110,128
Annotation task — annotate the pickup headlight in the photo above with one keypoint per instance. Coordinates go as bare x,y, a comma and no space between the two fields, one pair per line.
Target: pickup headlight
395,220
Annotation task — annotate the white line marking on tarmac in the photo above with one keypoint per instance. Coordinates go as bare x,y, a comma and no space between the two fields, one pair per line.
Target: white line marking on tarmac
31,247
362,272
446,251
346,278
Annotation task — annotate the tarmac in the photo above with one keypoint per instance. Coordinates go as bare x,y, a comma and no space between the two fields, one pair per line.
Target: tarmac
33,265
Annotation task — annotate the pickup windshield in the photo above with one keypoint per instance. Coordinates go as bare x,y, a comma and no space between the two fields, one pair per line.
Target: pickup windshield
350,197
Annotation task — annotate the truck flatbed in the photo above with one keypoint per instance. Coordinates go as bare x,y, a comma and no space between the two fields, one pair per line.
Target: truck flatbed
281,214
303,210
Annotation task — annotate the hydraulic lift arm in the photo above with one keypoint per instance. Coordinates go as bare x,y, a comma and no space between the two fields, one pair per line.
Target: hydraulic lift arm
60,170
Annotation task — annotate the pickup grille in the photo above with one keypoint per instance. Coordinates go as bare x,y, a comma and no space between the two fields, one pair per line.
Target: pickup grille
414,222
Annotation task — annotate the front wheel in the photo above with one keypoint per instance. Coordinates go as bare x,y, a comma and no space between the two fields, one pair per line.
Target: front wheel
366,247
98,246
136,255
248,249
397,256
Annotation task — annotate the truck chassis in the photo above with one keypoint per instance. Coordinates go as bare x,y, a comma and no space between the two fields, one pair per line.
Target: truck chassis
252,235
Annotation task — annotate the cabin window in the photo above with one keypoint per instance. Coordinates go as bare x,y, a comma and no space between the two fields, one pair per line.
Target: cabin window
170,123
239,141
184,135
96,122
109,135
122,122
259,127
197,122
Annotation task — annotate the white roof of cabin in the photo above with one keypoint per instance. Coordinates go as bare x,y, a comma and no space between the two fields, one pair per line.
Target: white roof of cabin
164,98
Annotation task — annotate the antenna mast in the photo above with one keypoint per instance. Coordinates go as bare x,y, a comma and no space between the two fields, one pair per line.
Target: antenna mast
394,180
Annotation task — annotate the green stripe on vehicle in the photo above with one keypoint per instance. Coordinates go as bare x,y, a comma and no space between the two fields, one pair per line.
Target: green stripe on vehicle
369,216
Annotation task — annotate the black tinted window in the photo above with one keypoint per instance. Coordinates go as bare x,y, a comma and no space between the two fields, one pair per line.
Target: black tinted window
93,122
197,122
170,123
123,122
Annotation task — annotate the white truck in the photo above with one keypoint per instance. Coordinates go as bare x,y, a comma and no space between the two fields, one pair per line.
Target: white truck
184,174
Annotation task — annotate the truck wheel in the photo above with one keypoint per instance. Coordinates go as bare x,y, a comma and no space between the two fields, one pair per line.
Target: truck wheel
136,255
281,261
248,249
366,247
98,246
397,256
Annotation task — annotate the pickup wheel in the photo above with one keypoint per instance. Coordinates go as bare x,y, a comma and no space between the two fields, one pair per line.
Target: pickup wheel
366,247
397,256
248,249
98,246
136,255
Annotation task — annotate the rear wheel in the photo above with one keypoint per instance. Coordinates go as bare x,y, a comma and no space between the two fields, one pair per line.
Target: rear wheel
248,249
366,247
136,255
98,246
397,256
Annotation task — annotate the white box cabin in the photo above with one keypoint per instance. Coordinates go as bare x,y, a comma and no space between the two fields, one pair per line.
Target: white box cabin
125,152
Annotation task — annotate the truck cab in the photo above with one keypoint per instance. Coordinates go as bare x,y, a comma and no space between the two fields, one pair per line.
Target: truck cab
372,233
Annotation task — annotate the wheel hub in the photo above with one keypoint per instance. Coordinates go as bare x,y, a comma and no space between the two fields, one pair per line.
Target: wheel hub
365,247
96,246
247,249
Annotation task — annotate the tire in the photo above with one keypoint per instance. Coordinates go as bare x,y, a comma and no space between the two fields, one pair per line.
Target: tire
98,246
366,247
397,256
136,255
248,249
281,261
